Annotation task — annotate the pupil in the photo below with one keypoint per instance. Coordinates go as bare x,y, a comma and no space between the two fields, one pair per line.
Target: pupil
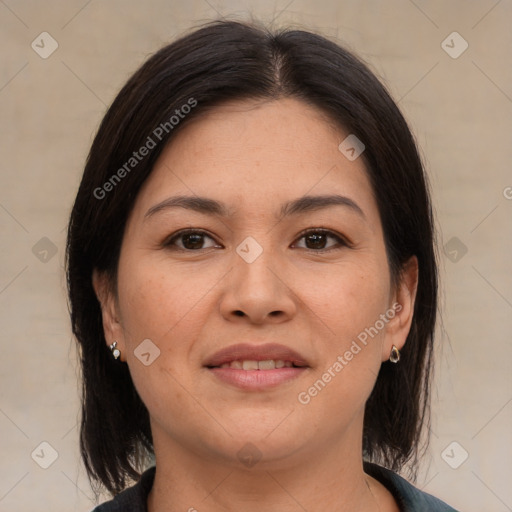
317,239
193,241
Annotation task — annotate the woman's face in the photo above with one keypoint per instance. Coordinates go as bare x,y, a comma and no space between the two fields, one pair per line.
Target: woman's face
273,256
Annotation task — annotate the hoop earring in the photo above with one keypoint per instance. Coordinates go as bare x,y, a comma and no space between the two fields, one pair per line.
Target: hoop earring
394,357
115,351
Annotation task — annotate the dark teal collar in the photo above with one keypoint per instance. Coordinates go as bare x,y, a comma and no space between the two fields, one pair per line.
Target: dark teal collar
408,497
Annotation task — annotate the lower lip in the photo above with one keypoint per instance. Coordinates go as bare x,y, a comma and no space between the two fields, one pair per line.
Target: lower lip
256,380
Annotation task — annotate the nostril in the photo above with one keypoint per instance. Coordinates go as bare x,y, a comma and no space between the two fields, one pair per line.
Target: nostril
239,313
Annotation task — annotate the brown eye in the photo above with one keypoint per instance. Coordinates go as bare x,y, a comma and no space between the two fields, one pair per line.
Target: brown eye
193,241
318,240
190,241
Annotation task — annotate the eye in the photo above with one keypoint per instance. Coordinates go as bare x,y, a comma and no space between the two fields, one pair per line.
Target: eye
189,240
317,240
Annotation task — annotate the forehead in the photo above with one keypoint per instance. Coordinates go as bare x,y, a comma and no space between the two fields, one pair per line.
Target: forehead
256,155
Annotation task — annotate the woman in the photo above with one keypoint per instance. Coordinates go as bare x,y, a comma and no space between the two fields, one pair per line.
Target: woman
253,283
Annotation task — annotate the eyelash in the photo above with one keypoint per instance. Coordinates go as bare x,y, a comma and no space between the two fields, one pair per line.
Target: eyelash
169,243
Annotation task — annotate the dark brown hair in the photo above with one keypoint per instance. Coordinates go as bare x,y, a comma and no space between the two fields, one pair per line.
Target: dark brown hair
221,61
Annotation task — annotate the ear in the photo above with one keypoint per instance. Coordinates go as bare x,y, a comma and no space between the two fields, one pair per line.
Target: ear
402,304
112,327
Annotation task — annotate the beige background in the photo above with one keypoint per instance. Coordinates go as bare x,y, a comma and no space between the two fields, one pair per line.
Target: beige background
460,110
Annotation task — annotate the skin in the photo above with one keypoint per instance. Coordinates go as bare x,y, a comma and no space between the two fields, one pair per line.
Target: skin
253,156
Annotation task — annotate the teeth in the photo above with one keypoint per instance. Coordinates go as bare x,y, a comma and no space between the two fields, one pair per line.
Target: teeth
250,365
270,364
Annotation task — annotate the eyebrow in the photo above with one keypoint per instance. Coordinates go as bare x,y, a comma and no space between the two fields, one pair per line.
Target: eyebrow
298,206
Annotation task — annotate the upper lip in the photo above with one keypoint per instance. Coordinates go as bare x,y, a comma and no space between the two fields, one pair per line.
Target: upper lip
247,352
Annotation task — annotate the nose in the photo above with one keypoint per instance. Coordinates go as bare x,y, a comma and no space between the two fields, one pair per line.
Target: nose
257,292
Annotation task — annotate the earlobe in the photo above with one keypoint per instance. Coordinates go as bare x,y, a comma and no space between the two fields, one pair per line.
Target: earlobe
111,325
403,303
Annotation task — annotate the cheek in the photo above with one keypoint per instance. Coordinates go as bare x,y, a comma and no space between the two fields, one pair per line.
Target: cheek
163,305
347,297
158,299
168,305
349,303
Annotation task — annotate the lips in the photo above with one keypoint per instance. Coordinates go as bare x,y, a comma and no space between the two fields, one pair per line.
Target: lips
256,368
245,352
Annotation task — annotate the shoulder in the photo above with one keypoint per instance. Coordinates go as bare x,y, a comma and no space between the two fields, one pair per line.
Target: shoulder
133,499
409,498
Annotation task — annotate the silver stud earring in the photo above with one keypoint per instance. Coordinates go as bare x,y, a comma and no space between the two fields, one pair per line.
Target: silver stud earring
394,357
115,351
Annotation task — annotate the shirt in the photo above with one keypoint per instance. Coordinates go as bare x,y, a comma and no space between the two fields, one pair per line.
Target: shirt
408,497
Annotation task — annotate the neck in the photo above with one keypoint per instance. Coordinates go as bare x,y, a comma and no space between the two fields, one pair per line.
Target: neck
328,478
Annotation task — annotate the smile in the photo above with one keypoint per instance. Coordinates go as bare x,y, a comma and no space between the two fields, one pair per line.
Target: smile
270,364
255,367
